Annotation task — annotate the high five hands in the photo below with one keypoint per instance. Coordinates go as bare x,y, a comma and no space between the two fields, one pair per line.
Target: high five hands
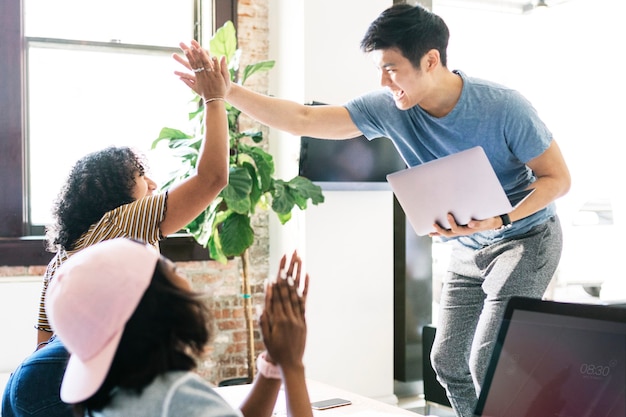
207,75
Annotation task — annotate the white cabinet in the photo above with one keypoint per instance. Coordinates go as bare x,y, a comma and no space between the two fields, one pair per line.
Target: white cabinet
349,256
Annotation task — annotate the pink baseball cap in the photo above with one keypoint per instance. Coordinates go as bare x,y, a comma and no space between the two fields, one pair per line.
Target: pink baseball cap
89,301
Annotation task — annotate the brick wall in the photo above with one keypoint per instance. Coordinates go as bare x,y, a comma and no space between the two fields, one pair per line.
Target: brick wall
226,357
230,347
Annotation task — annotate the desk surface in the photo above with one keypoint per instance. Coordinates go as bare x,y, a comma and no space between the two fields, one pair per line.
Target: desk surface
361,406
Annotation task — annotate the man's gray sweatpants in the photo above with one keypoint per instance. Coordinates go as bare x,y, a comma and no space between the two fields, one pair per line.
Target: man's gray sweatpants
475,292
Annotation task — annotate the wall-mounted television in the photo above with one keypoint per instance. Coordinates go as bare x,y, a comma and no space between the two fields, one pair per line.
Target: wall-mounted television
351,160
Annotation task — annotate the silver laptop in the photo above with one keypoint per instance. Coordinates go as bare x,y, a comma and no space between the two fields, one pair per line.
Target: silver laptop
555,359
463,184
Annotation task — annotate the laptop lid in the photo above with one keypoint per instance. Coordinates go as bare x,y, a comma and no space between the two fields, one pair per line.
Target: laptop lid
463,184
557,359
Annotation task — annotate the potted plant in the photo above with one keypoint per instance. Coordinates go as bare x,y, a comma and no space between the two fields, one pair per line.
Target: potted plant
225,226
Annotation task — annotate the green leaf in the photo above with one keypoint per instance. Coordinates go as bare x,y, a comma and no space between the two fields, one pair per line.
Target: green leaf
282,200
224,42
255,191
303,187
184,146
264,163
200,228
237,192
298,191
283,217
259,66
233,117
236,234
198,113
215,248
256,137
169,134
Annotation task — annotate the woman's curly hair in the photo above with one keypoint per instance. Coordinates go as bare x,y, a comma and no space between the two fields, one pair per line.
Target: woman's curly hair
98,183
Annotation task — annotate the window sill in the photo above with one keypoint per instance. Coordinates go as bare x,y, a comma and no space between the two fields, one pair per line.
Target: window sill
31,250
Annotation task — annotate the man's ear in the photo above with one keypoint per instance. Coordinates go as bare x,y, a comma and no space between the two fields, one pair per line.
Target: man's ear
430,60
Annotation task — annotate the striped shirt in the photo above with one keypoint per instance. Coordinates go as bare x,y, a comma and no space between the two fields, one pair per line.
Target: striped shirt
138,220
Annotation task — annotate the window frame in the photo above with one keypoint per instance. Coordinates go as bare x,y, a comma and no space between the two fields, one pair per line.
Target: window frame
17,247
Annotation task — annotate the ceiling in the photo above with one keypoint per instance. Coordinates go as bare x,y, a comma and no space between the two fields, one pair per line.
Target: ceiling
509,6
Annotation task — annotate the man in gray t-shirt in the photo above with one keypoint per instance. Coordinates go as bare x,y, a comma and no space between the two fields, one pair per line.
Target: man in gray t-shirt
429,111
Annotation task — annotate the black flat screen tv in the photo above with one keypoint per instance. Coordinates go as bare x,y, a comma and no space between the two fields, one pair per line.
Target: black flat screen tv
351,160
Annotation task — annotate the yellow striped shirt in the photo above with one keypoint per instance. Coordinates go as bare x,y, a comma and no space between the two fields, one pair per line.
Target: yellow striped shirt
138,220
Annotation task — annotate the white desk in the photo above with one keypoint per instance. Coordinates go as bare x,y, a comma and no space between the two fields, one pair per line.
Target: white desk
361,406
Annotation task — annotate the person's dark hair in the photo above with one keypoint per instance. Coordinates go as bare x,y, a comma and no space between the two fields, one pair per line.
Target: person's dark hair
97,183
168,331
412,30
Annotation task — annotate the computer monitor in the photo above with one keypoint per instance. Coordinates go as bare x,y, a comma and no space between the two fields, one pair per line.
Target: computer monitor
557,359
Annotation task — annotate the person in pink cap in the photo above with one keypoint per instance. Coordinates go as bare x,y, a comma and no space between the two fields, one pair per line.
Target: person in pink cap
135,328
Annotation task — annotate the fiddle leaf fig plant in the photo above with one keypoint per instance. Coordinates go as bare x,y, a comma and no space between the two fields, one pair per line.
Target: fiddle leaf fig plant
225,227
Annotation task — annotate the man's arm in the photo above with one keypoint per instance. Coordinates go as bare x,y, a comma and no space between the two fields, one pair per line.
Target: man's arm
322,121
553,181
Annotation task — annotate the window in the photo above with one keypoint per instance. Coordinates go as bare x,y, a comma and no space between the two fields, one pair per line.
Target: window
76,78
541,54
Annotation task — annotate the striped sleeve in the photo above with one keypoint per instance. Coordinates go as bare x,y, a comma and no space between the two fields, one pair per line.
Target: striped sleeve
42,318
139,220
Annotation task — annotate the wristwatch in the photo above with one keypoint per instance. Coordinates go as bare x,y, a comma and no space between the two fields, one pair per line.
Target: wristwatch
506,222
267,369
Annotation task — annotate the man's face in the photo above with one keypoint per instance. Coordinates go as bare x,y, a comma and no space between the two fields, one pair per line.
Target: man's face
408,84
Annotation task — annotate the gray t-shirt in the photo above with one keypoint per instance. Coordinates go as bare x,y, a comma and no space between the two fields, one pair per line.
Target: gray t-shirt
174,394
497,118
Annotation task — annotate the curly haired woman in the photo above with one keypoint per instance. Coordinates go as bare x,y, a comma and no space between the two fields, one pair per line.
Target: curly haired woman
106,196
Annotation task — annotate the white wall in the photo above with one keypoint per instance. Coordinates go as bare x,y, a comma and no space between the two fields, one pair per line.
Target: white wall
315,44
347,242
18,296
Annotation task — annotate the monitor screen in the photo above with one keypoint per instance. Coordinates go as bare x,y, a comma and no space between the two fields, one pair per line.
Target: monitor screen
550,364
